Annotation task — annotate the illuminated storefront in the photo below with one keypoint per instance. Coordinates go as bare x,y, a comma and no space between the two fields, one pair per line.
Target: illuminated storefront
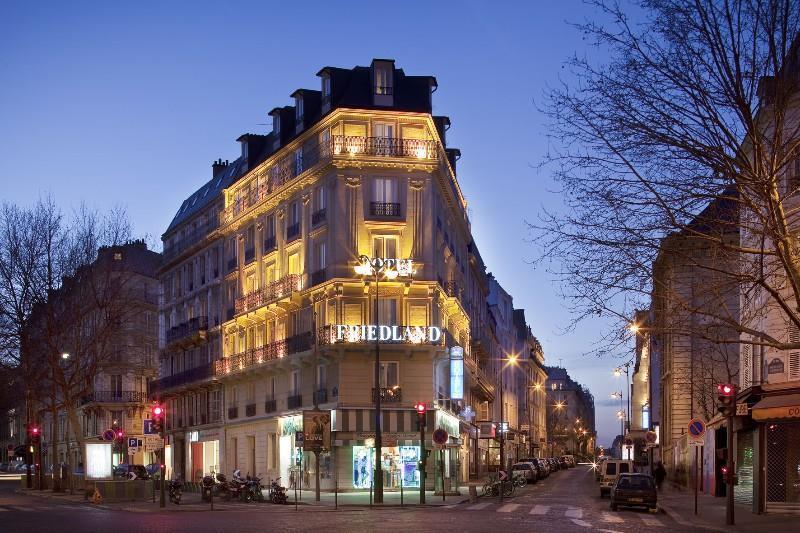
400,466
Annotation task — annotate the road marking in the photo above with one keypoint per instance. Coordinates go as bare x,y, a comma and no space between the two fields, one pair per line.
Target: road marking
608,517
450,506
479,506
509,508
581,523
540,509
650,521
574,513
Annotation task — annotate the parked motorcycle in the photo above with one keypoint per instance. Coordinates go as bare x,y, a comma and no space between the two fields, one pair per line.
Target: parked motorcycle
277,494
238,486
255,490
175,492
223,488
207,488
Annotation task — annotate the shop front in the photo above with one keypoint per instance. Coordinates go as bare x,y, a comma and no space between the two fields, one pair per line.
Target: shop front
204,453
293,469
780,419
399,465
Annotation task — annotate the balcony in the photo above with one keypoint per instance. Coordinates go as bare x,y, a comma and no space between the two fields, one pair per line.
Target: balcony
318,217
270,406
233,413
452,288
321,396
231,265
193,329
200,373
292,232
230,313
257,356
249,255
384,209
276,290
337,147
319,276
250,409
270,244
111,396
389,395
294,401
188,240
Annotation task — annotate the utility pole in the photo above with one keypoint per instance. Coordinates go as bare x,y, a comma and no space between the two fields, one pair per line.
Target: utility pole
378,433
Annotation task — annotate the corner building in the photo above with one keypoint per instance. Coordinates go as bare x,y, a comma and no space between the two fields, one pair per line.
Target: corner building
260,281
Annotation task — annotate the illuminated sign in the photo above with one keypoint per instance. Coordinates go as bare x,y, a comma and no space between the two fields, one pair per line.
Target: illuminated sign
402,334
456,373
98,460
392,267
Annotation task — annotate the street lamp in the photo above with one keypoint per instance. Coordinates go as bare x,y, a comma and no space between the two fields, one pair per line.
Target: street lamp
510,360
390,269
618,372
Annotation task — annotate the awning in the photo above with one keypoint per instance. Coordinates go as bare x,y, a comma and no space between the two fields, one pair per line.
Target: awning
783,406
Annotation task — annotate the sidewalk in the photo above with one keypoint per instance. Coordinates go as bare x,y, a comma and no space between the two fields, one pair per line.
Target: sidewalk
191,500
679,505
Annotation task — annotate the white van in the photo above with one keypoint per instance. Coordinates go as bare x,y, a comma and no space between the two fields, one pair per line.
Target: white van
610,470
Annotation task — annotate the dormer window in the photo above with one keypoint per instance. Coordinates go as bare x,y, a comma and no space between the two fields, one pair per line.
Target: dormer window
298,109
383,80
326,89
276,124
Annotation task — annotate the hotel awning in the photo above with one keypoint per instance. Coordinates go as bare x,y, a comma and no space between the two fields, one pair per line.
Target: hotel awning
771,407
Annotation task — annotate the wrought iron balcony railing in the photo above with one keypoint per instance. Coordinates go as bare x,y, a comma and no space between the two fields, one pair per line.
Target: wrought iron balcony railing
233,412
337,146
292,231
389,394
294,401
192,375
186,329
270,243
319,276
384,209
112,396
274,291
318,217
232,264
250,409
452,288
270,406
249,255
256,356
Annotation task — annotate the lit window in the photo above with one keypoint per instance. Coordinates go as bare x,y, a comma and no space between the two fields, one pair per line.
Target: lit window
382,81
117,256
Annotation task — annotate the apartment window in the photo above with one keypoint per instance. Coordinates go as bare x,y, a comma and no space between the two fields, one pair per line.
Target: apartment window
117,419
294,263
295,383
383,129
214,405
320,255
389,374
271,388
298,160
298,109
276,123
387,311
273,451
384,190
385,246
322,376
116,385
326,88
319,198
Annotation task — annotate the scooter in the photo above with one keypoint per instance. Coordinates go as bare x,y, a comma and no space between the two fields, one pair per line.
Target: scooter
254,489
222,487
277,494
207,488
175,492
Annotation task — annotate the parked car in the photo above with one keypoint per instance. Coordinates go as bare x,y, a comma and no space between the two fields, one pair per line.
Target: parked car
526,470
570,459
634,490
542,471
153,469
123,471
610,470
3,467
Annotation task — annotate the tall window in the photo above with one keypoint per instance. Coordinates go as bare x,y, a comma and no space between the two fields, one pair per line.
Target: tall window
276,123
295,382
383,129
298,160
385,246
389,374
294,263
320,255
298,108
384,190
322,376
116,385
387,311
214,405
382,81
326,88
319,198
294,213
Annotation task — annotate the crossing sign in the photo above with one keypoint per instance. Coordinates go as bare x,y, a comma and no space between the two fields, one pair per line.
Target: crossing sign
697,428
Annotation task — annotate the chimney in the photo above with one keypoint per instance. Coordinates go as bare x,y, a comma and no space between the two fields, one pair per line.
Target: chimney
217,167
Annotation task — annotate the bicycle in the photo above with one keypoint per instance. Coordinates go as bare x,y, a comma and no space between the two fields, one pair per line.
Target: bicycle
520,481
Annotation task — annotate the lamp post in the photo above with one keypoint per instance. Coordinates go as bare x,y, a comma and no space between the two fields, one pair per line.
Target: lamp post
391,269
511,360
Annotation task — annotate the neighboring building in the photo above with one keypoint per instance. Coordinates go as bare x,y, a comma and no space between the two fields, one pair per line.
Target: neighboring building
533,409
570,414
264,316
694,350
640,391
117,393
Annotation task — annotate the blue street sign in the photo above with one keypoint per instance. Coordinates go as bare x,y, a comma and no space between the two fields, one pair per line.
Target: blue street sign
109,434
148,427
697,428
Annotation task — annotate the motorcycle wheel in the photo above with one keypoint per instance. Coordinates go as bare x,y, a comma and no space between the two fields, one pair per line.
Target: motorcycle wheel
247,496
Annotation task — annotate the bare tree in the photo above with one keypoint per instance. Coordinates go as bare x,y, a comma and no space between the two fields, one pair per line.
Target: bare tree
695,107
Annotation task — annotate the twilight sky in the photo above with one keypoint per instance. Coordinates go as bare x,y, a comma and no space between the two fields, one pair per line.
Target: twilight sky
129,103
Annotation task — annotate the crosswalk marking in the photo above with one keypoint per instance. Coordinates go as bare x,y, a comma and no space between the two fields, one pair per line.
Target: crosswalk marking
509,508
608,517
540,509
574,512
479,506
651,522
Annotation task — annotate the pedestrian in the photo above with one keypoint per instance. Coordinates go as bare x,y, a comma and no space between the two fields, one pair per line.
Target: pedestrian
660,474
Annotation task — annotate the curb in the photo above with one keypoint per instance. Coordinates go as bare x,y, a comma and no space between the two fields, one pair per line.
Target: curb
675,515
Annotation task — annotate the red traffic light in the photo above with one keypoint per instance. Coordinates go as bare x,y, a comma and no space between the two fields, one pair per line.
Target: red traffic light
725,389
421,408
724,469
120,434
158,410
35,430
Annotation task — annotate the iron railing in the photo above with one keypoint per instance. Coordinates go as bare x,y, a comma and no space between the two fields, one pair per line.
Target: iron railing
384,209
389,394
319,276
233,412
318,217
293,401
113,396
186,329
270,406
270,243
274,291
249,255
256,356
199,373
292,231
384,90
250,409
452,288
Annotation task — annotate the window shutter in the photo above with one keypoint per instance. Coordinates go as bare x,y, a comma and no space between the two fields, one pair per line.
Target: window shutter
355,130
413,132
794,365
747,365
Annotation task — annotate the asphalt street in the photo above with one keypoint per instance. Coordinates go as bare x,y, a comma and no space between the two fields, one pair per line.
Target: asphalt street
567,501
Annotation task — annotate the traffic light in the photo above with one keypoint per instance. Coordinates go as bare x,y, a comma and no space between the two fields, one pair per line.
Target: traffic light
421,409
34,434
157,424
726,399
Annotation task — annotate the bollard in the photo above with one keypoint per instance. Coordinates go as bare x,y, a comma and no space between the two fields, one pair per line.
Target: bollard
473,493
336,490
401,489
370,494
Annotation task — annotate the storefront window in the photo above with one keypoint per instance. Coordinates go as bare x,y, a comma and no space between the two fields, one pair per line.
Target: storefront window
399,466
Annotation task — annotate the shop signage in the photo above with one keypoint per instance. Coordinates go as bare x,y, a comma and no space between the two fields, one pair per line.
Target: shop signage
364,435
404,267
98,460
775,366
317,430
487,430
792,411
152,444
291,425
456,373
386,333
742,409
447,422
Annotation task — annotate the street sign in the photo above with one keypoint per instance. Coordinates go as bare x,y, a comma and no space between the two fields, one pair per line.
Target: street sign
109,434
152,444
651,437
503,476
697,428
440,437
134,442
742,409
628,441
147,426
132,451
299,438
696,443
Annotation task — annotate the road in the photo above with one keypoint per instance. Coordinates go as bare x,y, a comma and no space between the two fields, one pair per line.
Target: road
565,502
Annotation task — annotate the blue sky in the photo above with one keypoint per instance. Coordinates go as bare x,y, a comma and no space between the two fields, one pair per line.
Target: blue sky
129,103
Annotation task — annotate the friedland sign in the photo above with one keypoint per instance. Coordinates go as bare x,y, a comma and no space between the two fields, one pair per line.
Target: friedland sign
383,333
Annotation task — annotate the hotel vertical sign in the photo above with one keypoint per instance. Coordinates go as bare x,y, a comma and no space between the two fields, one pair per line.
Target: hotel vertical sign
456,373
